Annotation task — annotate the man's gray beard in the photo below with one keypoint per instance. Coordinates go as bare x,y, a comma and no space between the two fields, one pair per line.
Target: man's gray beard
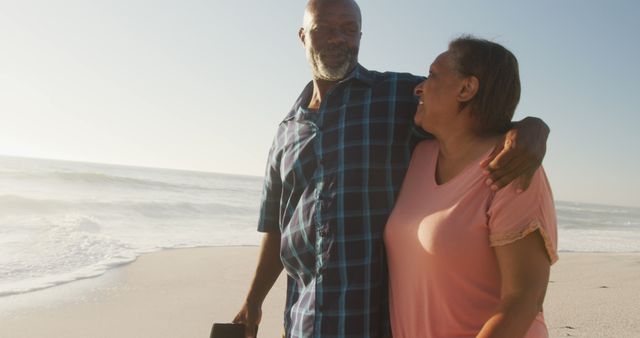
323,72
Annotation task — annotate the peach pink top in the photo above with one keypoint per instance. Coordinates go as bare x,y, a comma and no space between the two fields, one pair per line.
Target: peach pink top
444,279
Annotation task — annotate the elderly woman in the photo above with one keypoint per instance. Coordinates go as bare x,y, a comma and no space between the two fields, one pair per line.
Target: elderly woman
466,260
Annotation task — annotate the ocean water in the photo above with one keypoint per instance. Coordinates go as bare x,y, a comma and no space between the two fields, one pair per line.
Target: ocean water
63,221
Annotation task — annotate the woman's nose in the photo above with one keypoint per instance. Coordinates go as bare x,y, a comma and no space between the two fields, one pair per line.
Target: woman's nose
417,91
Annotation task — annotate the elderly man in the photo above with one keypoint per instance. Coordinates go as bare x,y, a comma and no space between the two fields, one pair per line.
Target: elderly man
334,170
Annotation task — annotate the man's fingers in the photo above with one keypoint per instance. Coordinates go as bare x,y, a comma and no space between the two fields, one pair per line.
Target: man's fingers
504,176
515,164
245,317
238,319
485,162
491,156
250,324
502,160
503,181
500,167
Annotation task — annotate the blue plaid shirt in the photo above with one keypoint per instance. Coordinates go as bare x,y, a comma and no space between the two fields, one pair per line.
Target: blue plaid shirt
331,181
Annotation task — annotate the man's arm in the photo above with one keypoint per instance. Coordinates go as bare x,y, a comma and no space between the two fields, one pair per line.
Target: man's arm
519,156
267,272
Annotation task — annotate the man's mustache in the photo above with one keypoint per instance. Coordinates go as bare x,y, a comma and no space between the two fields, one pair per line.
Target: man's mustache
336,50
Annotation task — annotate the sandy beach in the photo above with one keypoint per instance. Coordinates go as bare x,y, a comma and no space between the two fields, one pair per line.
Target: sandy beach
168,294
180,293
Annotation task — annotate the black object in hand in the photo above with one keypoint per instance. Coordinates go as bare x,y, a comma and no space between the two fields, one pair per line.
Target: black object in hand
227,330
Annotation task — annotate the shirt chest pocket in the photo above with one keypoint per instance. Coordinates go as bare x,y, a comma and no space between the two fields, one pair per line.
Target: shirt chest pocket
298,162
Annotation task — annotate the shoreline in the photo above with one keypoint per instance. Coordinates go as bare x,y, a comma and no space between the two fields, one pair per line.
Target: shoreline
111,269
181,292
169,293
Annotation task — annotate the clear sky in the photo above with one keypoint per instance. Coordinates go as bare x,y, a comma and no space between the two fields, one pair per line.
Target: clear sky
202,85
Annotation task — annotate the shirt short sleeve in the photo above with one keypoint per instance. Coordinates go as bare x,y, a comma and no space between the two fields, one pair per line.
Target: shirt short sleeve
513,216
269,220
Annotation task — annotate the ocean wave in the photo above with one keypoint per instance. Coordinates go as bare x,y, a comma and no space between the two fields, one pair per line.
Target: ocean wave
73,248
65,221
598,240
48,281
587,216
13,204
96,178
576,207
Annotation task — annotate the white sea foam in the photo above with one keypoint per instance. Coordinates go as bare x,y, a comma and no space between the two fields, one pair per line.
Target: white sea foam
64,221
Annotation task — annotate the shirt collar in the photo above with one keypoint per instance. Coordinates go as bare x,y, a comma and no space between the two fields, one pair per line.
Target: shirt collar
359,73
362,74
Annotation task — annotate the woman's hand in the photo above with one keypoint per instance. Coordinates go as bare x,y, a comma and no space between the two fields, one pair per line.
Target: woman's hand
519,156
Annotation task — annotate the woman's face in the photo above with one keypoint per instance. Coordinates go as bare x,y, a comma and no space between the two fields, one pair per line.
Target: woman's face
438,95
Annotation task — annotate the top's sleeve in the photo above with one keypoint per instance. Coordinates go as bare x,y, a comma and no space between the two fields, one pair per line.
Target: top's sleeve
269,220
512,216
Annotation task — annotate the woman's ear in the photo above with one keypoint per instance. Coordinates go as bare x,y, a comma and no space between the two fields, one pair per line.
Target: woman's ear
469,89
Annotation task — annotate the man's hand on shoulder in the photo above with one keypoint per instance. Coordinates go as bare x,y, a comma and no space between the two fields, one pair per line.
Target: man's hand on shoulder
519,155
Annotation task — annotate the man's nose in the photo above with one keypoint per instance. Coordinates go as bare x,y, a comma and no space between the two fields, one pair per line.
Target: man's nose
336,35
336,38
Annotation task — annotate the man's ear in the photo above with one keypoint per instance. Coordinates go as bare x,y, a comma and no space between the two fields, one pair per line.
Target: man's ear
469,89
301,34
